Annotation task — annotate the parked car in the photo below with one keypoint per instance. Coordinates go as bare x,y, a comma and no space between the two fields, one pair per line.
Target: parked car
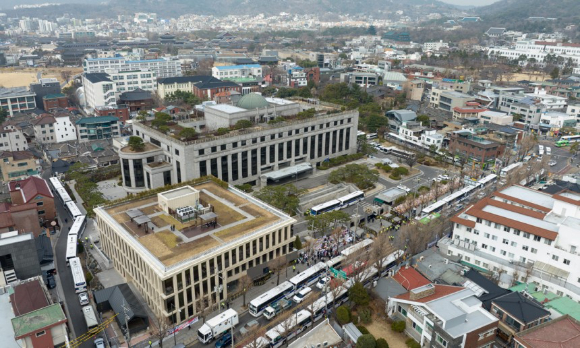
83,299
404,188
552,163
50,283
323,282
444,177
99,343
224,341
302,294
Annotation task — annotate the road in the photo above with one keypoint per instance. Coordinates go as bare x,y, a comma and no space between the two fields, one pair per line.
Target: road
76,320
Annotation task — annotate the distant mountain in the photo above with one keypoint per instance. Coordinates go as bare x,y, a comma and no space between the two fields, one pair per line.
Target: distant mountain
376,8
514,10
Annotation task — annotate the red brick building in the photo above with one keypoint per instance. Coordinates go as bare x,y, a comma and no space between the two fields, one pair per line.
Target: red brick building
55,101
35,191
38,322
472,148
120,111
313,74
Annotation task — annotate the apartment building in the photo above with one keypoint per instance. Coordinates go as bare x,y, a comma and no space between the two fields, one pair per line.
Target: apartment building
519,234
445,99
49,129
16,165
415,134
103,89
251,156
12,138
98,127
297,77
444,316
228,233
162,67
17,99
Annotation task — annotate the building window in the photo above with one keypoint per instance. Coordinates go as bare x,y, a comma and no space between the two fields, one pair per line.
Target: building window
39,204
441,341
505,241
537,238
41,212
555,257
534,251
176,152
566,262
40,333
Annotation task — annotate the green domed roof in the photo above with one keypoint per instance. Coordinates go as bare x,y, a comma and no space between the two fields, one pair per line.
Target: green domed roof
252,101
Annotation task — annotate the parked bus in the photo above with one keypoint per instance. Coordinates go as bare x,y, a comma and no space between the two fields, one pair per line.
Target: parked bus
55,183
511,168
567,140
72,208
90,317
355,248
71,248
78,226
62,195
351,199
292,327
257,305
308,277
325,207
78,275
335,262
562,143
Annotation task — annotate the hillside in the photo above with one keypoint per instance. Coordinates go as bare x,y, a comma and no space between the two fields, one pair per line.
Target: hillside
508,11
376,8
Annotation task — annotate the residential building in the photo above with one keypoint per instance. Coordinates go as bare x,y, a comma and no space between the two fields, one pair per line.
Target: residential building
361,78
415,134
557,120
528,234
253,155
17,100
97,128
517,313
178,280
444,316
324,59
560,332
435,46
495,117
39,323
12,138
121,300
18,254
530,109
15,165
50,129
471,110
395,80
136,100
233,72
209,87
120,111
162,67
415,89
33,190
574,110
445,99
99,90
44,87
472,148
453,84
296,77
54,101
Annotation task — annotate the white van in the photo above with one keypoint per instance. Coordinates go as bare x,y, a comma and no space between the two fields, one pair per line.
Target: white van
548,150
302,294
527,159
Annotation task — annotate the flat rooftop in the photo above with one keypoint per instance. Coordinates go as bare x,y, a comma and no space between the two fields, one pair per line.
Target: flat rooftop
530,195
238,215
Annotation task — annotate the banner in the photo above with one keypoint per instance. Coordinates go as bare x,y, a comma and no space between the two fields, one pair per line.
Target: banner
182,326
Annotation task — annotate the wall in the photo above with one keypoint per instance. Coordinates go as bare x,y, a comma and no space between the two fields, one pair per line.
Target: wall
25,258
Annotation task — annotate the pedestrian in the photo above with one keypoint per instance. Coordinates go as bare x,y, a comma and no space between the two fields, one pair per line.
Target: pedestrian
149,343
189,327
294,268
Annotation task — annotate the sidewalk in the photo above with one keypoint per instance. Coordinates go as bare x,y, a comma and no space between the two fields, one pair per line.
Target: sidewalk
189,336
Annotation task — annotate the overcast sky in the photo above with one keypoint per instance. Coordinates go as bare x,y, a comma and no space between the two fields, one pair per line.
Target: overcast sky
470,2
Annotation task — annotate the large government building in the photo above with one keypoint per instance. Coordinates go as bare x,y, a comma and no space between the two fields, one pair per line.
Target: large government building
185,248
282,142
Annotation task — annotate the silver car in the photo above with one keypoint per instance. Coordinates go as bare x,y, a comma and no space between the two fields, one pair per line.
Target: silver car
83,299
99,343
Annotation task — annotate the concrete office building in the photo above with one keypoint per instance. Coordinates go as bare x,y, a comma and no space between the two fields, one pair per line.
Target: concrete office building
162,67
252,155
183,270
17,99
520,234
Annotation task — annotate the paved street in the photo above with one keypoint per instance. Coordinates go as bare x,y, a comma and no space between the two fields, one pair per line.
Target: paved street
76,320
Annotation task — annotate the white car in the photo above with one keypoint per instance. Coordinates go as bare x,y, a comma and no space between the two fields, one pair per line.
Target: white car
99,343
302,294
444,177
322,282
436,179
552,163
83,298
404,188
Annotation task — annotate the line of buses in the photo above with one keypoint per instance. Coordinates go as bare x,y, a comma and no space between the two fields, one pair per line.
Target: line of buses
339,203
297,323
74,233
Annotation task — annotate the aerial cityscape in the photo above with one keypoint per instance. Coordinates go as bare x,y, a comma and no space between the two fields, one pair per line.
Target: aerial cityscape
264,174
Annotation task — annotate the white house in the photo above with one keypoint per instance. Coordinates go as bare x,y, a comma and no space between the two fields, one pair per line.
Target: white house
520,234
495,117
12,139
558,119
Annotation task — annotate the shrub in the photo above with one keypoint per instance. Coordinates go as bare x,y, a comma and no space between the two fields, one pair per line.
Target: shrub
444,182
88,277
354,319
401,171
395,176
399,326
382,343
411,343
366,341
363,330
358,294
222,131
366,316
297,243
343,315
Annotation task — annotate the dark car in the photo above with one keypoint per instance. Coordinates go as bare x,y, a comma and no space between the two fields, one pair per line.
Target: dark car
224,341
50,283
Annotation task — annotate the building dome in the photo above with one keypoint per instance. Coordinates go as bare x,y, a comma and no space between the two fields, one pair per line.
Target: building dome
252,101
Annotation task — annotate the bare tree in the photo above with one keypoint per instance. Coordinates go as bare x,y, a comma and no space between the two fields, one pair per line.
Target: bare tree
245,284
277,265
160,329
381,248
202,307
